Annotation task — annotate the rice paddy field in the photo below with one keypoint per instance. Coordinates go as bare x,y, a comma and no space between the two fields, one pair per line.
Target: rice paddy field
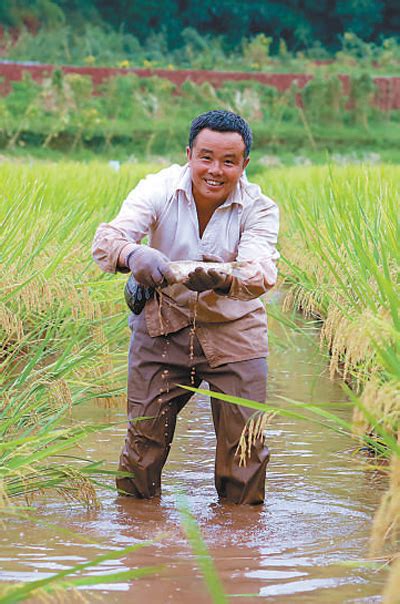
64,338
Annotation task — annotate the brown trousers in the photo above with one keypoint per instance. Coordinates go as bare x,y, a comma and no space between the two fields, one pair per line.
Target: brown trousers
156,365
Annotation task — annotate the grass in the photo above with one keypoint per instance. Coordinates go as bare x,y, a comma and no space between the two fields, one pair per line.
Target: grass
144,138
281,154
95,45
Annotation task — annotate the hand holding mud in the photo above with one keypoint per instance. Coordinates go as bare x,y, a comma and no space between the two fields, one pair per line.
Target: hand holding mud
201,280
149,266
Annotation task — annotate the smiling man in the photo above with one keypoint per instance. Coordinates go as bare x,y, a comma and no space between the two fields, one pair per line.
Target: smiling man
203,211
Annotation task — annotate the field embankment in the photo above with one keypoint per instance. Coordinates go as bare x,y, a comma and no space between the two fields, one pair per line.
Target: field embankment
69,110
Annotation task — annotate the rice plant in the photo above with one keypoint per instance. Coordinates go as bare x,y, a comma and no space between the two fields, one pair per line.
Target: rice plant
60,323
340,263
200,550
341,259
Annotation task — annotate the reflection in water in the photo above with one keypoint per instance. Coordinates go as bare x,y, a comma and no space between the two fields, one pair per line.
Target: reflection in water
295,548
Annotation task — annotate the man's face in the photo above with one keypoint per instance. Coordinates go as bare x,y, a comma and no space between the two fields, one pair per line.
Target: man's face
217,162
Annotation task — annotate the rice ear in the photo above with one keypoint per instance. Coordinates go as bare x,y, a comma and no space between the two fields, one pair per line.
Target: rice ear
252,432
392,587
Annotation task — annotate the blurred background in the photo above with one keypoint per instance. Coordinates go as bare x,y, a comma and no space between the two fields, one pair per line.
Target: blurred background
124,79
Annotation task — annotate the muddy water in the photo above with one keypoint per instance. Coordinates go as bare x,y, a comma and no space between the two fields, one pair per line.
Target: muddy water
306,544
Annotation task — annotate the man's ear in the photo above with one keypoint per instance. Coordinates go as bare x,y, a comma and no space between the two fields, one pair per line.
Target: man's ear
246,163
188,153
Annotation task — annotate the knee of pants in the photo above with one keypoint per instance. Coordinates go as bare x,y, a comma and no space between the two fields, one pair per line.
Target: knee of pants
245,379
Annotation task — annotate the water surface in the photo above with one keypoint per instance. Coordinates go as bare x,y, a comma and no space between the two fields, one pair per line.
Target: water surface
306,544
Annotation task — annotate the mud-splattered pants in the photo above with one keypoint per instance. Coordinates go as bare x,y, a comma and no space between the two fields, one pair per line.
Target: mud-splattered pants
156,365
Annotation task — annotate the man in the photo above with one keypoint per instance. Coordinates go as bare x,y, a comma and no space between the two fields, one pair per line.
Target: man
204,211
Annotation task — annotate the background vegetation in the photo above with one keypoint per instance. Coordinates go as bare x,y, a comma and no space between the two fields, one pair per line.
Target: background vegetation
144,117
133,116
102,46
301,24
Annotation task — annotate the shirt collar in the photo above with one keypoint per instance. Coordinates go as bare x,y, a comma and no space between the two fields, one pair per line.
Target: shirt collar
185,185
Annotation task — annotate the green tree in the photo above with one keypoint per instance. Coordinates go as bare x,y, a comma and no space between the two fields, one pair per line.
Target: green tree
301,23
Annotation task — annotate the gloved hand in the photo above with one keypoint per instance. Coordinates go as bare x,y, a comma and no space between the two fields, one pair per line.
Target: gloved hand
149,266
201,280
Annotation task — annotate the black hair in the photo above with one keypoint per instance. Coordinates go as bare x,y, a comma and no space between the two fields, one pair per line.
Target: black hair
222,121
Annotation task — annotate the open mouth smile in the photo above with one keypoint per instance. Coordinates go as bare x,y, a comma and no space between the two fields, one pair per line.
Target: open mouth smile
213,183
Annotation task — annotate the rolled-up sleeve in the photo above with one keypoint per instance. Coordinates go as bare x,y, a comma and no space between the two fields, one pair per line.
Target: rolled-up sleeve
114,240
257,247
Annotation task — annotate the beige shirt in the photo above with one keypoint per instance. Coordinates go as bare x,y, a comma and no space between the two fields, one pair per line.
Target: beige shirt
231,327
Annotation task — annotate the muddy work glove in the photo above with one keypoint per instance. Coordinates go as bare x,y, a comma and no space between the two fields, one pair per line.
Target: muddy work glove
149,267
201,280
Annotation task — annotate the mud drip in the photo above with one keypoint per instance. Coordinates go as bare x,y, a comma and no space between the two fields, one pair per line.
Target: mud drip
160,305
165,376
192,334
164,355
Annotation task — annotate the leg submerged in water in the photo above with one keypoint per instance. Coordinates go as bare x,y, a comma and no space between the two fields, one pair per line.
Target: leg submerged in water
147,445
234,482
152,395
148,441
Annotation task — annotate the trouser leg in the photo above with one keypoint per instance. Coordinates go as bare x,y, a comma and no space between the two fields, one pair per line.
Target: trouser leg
234,483
152,393
147,445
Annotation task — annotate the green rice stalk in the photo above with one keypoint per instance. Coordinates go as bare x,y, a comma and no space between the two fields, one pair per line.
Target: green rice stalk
201,552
